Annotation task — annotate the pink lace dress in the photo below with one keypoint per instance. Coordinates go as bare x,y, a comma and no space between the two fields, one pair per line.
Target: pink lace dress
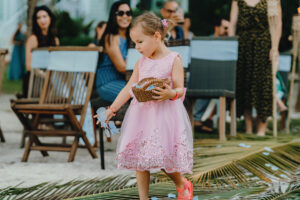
156,135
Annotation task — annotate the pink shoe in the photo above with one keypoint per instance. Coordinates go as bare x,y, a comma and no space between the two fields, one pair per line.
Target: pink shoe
187,186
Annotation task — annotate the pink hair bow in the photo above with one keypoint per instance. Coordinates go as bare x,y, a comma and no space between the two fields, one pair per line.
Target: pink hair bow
164,23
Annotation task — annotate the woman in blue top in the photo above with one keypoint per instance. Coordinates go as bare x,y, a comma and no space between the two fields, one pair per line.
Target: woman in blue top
110,76
17,63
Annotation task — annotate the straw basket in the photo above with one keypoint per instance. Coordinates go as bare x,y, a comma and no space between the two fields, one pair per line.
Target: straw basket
143,91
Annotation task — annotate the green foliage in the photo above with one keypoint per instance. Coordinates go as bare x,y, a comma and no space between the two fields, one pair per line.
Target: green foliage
10,86
72,31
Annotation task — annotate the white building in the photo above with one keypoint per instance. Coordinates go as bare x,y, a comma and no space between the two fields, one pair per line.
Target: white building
14,11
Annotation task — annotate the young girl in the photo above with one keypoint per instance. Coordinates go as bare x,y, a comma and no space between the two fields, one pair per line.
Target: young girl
155,134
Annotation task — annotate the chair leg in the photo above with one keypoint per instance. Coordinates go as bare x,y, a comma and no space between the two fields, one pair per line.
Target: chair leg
101,147
2,139
23,139
233,117
38,142
89,146
27,149
73,149
222,124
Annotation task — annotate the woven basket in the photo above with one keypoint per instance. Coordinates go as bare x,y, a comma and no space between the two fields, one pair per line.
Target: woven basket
143,91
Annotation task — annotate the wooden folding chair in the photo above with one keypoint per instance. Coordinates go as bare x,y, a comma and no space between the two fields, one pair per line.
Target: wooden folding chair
66,91
39,65
213,75
3,52
284,68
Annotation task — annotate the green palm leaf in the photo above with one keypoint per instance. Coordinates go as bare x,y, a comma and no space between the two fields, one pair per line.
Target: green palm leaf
218,168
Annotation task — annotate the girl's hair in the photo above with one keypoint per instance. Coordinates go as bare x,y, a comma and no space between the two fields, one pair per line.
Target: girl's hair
49,40
112,27
150,24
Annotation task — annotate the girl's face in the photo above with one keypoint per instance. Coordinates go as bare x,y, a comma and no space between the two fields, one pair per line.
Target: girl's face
124,16
43,19
145,44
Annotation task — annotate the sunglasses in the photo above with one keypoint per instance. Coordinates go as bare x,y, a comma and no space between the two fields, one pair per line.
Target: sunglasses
170,11
120,13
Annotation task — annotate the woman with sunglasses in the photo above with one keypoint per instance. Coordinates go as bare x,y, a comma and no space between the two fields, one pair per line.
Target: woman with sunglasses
110,76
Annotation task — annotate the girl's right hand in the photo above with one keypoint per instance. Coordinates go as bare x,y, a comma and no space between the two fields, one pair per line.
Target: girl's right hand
109,114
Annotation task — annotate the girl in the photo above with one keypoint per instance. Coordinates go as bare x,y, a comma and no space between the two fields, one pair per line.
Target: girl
155,134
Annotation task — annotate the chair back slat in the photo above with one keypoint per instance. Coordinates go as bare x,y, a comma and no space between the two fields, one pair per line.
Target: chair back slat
285,62
213,63
70,78
39,63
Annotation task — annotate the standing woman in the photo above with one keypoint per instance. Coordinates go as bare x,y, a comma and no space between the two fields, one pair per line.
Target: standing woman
249,20
17,63
43,35
110,76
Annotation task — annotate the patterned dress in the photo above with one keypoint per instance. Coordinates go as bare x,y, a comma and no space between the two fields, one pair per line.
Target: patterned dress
254,71
156,135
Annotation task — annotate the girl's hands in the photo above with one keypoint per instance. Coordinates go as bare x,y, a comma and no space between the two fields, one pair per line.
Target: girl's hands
164,94
109,114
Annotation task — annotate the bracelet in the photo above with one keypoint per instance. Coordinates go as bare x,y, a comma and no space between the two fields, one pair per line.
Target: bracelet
176,96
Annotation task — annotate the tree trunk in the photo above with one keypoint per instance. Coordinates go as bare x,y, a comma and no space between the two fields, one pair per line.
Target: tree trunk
52,4
31,5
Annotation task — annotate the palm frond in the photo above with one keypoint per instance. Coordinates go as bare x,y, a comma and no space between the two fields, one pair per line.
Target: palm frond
218,167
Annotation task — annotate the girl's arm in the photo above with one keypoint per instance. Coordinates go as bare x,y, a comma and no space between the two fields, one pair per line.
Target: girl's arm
124,95
114,53
178,83
30,44
56,41
234,13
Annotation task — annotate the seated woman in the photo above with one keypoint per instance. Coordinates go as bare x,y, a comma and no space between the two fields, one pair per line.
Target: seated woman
110,75
43,35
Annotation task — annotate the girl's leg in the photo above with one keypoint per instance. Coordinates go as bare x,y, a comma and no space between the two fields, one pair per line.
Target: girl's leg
178,179
261,127
143,181
248,120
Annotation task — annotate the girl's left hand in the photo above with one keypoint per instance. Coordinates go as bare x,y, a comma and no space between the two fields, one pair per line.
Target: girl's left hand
164,94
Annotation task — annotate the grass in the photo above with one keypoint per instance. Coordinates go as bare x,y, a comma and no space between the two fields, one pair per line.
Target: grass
9,86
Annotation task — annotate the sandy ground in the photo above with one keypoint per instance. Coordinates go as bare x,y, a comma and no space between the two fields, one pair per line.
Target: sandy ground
53,168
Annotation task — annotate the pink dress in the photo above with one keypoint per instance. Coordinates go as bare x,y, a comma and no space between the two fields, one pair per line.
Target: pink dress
156,135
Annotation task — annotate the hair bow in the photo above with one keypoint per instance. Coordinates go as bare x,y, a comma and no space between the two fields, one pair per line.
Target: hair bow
164,23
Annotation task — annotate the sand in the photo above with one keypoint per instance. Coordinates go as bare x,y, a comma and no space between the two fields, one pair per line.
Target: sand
53,168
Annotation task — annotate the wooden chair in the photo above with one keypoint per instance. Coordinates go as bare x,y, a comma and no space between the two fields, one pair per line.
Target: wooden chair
284,68
180,46
212,75
39,64
66,91
3,52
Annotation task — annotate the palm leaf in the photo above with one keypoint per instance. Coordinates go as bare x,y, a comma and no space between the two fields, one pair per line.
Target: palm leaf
218,167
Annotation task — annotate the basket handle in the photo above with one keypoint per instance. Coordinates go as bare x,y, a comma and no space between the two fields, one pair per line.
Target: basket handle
144,80
156,81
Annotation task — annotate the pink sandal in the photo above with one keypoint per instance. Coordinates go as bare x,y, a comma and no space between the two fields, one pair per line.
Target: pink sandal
187,185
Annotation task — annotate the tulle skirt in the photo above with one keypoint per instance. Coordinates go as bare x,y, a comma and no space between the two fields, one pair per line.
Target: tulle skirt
156,135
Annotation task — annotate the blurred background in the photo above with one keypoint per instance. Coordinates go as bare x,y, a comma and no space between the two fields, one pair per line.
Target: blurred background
76,19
